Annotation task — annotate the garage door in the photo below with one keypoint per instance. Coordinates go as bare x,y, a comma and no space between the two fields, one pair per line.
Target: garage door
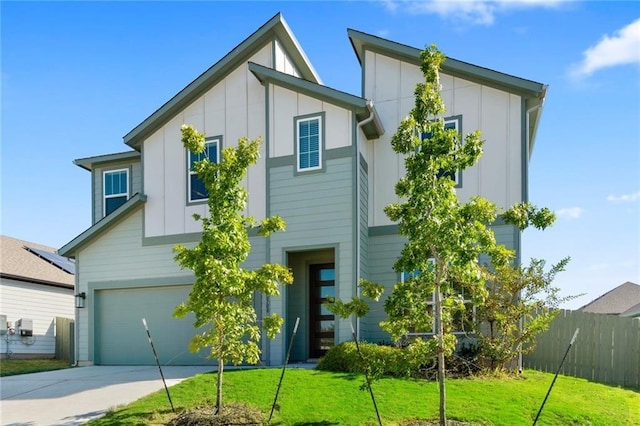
120,337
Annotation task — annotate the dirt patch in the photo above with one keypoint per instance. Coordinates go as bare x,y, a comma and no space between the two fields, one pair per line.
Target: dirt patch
231,414
419,422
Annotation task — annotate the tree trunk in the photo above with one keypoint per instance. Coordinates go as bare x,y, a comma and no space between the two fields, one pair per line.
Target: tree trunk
441,365
219,386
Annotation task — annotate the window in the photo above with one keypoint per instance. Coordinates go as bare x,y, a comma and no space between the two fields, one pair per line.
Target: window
196,188
115,188
309,143
455,124
462,321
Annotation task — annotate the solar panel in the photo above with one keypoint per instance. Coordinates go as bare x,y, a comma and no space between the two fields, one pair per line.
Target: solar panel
66,264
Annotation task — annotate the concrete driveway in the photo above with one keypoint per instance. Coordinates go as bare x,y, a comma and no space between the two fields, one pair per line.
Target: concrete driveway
76,395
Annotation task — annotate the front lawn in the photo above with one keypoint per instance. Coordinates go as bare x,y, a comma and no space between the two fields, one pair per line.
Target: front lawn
310,397
11,367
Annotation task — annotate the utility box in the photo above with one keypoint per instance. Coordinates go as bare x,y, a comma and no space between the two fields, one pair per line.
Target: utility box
3,325
25,325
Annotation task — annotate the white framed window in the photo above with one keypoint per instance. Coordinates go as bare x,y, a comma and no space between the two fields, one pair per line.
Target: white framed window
309,141
196,190
115,188
462,321
454,123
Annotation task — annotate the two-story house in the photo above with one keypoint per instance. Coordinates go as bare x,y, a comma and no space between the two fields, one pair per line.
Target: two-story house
326,166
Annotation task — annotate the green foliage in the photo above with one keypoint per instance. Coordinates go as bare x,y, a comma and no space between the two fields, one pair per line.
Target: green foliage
445,237
377,360
222,295
357,305
521,304
524,215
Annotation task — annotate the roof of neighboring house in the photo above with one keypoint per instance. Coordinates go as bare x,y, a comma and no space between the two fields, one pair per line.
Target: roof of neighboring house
26,261
620,300
632,312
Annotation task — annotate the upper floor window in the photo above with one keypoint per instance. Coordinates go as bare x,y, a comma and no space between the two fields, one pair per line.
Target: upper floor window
454,123
115,188
309,143
196,188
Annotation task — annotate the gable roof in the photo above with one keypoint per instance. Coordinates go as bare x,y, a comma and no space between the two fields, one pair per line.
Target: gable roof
107,222
32,262
87,163
616,301
363,109
532,91
363,41
276,27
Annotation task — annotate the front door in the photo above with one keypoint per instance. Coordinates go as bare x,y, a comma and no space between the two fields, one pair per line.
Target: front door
322,324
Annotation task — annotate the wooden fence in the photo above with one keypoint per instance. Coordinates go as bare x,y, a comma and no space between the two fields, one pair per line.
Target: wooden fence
607,349
65,339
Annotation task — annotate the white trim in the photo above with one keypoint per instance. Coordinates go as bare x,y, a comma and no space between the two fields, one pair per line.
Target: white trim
105,196
297,142
432,303
456,121
216,141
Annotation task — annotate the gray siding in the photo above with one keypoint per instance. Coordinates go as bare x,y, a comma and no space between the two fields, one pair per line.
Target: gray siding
135,183
363,212
318,210
383,252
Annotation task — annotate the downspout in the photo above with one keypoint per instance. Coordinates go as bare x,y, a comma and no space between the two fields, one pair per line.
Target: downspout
76,335
372,116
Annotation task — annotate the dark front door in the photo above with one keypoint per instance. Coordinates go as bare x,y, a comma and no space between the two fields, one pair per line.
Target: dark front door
322,285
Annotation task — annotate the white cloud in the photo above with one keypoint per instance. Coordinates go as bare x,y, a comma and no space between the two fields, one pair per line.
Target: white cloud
620,49
480,12
569,213
635,196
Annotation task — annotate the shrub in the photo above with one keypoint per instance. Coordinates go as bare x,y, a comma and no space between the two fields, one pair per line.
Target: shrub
417,360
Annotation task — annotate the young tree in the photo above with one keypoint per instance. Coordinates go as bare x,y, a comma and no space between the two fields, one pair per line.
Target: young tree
521,304
445,237
222,295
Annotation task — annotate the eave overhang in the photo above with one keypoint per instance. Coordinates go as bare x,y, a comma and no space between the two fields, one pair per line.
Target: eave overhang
276,27
362,108
106,223
362,42
88,163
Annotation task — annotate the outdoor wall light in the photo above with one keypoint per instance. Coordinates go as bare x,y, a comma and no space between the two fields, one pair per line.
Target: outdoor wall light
80,298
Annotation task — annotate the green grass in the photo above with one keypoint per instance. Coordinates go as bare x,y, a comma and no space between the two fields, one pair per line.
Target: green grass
11,367
310,397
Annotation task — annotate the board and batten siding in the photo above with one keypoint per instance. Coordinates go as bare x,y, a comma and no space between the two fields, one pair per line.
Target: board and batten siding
318,209
40,303
498,114
233,108
283,62
286,104
135,183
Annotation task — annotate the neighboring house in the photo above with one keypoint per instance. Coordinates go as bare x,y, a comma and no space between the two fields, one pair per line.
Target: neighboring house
326,166
623,300
36,286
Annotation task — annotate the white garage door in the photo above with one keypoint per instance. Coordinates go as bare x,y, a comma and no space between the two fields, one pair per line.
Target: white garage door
120,337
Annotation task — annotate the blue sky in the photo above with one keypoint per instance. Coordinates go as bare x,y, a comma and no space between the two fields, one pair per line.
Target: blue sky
77,76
